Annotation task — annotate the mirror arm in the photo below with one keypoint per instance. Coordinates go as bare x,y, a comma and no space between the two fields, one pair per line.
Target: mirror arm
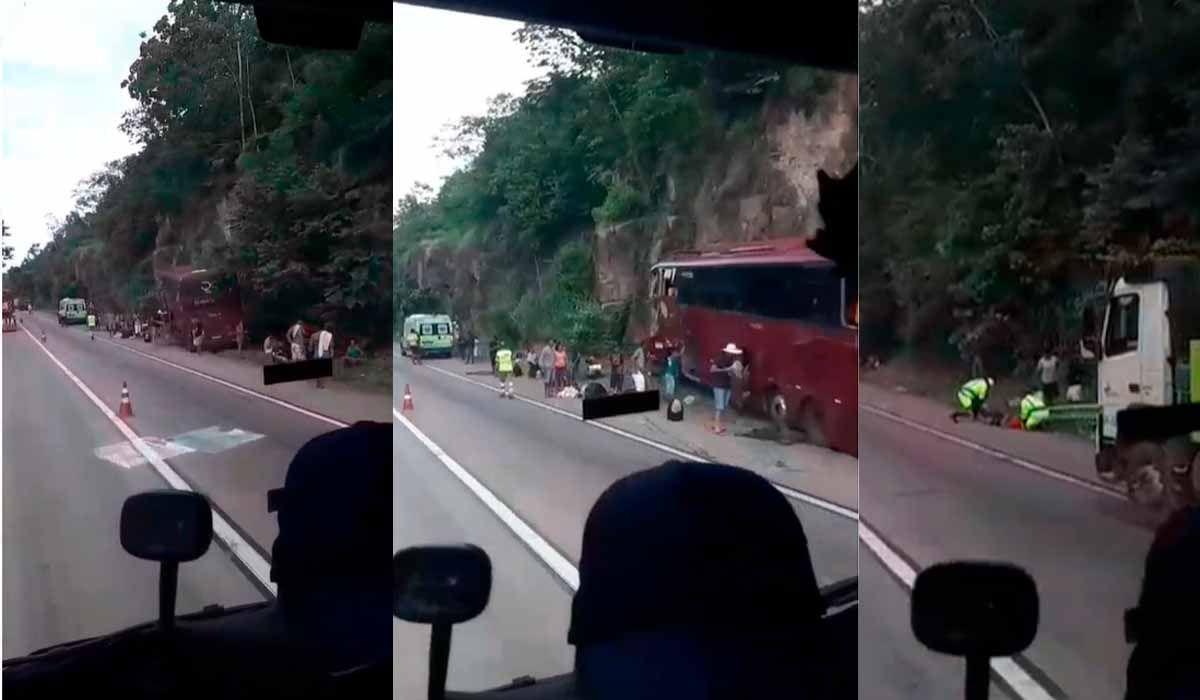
978,677
168,581
439,660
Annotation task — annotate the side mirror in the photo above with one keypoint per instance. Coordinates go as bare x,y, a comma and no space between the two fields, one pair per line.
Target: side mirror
977,610
440,585
169,527
166,526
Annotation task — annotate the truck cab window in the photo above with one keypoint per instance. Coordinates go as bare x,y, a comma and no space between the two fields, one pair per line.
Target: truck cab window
1121,334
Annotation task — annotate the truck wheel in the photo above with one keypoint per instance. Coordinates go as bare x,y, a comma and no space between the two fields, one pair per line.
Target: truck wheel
813,424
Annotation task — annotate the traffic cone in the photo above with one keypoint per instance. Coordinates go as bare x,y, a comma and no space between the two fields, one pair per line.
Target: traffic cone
125,410
408,402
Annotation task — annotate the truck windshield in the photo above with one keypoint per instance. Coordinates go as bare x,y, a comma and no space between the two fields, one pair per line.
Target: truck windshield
1121,333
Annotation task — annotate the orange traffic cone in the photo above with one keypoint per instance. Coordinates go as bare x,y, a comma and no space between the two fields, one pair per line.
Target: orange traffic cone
408,402
125,410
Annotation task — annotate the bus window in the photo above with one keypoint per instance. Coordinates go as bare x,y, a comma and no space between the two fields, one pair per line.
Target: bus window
443,329
656,284
668,282
426,329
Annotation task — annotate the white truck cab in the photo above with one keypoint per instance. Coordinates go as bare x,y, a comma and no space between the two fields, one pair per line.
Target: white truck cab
1149,351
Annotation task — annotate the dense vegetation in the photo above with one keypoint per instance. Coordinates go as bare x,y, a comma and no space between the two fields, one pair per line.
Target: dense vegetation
593,141
1018,155
295,145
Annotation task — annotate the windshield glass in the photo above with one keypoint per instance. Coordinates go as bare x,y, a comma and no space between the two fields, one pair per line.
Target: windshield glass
538,185
176,191
1028,212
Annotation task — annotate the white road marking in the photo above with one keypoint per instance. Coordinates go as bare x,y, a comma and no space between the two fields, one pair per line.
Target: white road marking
126,456
786,491
222,530
211,440
215,439
1016,461
559,564
230,385
1010,671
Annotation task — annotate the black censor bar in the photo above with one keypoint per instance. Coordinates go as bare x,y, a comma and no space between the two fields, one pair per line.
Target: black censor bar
297,371
1155,423
620,404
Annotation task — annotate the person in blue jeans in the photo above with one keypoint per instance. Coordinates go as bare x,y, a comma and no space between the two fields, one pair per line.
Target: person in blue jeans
671,373
721,372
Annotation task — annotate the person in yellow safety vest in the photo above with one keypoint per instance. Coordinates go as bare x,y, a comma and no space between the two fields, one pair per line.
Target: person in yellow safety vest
504,367
414,347
972,396
1033,410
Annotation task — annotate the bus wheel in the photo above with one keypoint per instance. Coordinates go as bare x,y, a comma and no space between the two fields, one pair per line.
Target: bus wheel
812,424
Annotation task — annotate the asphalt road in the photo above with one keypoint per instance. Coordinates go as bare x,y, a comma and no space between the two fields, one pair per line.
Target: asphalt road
547,468
67,471
934,500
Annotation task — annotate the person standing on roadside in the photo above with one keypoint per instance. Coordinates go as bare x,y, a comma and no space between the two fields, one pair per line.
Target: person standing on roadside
671,373
1047,368
546,361
324,347
721,371
616,377
295,338
639,359
560,366
414,346
241,336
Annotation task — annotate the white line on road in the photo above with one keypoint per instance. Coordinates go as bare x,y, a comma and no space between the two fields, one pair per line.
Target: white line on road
545,551
222,530
786,491
1017,461
236,387
1018,680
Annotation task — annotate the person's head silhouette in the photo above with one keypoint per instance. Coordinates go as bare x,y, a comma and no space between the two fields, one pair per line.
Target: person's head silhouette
1163,662
332,558
695,581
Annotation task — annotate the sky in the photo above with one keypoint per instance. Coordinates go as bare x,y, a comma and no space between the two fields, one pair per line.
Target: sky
61,102
447,65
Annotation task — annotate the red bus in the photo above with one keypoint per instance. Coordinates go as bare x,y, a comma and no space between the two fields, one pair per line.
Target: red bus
207,295
790,311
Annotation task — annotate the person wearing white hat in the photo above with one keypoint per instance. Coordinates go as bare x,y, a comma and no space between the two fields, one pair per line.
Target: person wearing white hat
722,371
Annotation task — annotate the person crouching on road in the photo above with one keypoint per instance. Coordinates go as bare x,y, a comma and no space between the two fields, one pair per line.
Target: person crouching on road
1033,410
504,369
973,396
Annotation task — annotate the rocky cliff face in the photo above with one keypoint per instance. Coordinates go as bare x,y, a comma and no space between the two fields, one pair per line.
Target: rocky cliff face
766,188
759,185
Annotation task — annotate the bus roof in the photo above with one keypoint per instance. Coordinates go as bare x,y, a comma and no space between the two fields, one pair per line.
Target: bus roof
773,252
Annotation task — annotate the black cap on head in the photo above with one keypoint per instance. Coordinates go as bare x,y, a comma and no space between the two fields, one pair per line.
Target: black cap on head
686,568
335,510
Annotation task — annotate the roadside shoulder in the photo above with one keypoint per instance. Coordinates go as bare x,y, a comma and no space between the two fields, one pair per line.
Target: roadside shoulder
1062,453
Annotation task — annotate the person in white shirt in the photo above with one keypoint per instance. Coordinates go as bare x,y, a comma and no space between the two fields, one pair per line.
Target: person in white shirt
324,347
1047,368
